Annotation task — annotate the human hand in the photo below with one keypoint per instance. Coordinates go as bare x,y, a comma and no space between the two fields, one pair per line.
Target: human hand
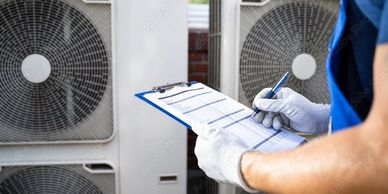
294,109
219,155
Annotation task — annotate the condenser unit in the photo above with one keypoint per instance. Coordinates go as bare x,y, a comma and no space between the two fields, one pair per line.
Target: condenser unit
56,179
254,42
56,63
69,121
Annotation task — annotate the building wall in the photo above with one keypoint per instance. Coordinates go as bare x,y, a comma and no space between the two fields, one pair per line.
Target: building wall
198,68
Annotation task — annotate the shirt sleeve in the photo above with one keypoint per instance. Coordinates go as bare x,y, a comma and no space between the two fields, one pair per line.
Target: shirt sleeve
383,28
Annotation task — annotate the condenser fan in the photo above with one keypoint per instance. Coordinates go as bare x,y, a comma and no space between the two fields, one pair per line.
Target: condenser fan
54,180
282,36
55,71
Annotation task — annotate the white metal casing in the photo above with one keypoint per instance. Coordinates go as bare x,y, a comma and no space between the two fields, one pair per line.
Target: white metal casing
228,78
149,40
151,50
229,45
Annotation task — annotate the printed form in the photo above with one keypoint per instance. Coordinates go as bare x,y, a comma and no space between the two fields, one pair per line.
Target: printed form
200,104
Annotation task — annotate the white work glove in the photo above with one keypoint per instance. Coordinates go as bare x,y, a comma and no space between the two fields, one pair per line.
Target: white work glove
219,155
295,110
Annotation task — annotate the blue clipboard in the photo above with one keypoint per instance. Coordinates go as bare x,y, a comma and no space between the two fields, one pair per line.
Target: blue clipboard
162,89
288,140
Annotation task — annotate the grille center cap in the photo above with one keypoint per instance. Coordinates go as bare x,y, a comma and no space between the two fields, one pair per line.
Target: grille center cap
304,66
36,68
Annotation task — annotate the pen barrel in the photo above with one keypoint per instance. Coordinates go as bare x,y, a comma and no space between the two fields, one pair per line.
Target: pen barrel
270,95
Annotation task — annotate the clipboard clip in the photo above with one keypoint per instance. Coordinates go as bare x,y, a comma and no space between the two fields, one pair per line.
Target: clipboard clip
164,88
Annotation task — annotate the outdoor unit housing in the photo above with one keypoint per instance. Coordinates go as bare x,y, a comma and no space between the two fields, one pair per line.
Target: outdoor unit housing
56,71
69,120
55,179
253,43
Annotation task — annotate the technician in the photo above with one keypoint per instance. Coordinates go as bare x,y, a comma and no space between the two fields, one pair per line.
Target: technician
354,159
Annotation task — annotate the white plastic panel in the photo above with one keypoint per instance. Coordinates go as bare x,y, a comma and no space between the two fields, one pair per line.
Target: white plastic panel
229,63
151,50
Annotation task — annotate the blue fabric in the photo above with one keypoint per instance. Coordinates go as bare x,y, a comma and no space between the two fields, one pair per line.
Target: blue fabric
362,24
356,61
343,115
383,33
371,9
377,12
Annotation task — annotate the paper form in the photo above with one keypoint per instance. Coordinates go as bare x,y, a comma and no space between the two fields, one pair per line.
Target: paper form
200,104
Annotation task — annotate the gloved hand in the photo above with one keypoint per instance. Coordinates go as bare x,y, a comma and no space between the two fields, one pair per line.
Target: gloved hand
219,155
295,110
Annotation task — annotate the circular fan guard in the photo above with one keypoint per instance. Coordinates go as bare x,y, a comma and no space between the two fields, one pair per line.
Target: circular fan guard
47,180
287,30
80,68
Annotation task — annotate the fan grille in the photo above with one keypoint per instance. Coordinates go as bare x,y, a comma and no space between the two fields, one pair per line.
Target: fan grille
54,180
55,109
274,35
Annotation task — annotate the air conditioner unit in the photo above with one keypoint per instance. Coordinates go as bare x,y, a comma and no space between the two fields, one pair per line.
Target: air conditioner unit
69,119
57,72
254,42
56,179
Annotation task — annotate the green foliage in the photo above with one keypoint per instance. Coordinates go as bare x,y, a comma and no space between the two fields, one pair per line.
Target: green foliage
200,1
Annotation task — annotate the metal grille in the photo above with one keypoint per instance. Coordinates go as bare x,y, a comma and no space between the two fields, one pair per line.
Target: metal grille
74,102
54,180
273,35
214,44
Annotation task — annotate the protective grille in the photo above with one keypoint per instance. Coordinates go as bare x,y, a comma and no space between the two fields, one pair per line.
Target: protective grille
54,180
273,35
214,44
74,102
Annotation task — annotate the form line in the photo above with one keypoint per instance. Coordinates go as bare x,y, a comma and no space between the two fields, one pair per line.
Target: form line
205,105
228,115
178,101
165,97
267,139
235,122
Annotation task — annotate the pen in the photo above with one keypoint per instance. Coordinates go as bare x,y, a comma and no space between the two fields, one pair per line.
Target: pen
273,91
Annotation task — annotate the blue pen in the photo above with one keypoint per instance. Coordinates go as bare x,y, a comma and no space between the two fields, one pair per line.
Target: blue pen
273,91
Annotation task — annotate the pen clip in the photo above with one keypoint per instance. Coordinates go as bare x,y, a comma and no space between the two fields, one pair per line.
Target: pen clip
164,88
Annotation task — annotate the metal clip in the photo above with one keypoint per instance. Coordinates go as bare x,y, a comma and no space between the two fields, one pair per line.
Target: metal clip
163,88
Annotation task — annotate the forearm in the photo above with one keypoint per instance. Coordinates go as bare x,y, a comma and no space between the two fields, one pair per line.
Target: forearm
347,162
352,161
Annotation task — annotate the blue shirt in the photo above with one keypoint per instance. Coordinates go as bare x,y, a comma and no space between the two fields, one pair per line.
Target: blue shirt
366,27
377,12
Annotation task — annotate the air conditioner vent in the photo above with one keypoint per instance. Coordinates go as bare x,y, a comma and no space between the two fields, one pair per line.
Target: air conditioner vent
54,180
215,44
55,66
286,36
